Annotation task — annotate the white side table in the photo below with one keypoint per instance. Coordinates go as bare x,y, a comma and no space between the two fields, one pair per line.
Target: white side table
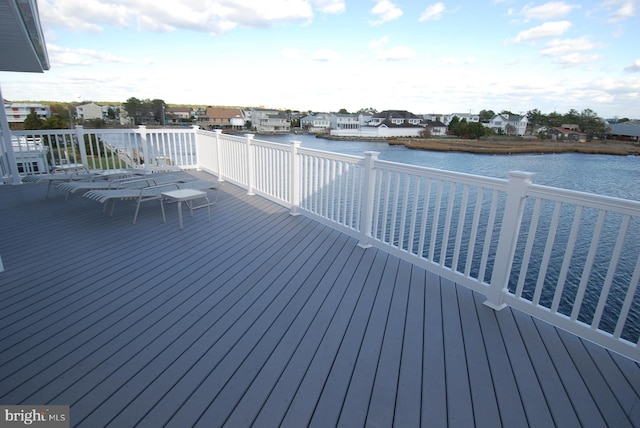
185,195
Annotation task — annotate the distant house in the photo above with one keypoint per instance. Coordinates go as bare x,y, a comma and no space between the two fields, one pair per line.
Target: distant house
264,120
89,111
625,131
178,115
436,127
348,121
315,123
508,124
567,132
447,118
386,124
18,112
222,118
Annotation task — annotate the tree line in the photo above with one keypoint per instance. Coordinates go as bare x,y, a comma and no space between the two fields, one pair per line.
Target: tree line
587,121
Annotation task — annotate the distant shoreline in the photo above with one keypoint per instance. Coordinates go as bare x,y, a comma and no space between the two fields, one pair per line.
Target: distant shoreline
620,148
507,147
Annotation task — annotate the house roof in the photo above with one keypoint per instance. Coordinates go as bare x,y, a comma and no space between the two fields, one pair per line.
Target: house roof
395,114
23,46
567,131
223,113
630,129
178,109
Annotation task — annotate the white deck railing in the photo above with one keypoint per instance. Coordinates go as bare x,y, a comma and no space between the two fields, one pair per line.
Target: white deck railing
570,258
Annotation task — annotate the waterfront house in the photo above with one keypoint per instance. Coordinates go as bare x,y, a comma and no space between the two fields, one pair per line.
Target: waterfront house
348,121
435,127
625,131
315,123
469,117
269,120
222,118
567,133
508,124
386,124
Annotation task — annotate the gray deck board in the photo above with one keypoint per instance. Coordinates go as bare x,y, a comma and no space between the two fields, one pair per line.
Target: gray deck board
260,318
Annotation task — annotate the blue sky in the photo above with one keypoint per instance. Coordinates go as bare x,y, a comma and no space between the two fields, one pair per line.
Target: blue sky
324,55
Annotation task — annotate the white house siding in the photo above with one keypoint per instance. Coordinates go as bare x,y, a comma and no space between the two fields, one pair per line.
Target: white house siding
378,132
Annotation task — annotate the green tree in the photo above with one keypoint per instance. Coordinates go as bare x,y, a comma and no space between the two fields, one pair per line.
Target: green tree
486,115
133,107
32,121
475,130
591,124
572,117
555,119
536,118
459,127
55,122
156,108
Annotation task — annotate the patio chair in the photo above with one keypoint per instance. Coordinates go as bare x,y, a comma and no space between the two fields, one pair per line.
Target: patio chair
139,192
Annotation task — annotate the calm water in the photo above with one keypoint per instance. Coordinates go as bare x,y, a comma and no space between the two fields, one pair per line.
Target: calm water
617,176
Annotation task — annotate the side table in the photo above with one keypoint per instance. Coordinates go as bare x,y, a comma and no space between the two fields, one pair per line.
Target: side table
185,195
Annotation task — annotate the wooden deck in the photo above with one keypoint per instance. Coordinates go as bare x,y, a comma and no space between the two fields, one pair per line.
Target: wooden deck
259,318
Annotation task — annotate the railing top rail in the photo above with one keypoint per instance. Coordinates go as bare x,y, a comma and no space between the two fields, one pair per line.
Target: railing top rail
584,199
26,132
331,155
458,177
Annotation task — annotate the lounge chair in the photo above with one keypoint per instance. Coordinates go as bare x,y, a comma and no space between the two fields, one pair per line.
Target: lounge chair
116,182
82,176
85,175
140,192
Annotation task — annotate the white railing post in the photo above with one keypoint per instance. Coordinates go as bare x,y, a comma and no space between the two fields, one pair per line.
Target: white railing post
6,146
250,166
368,193
146,153
509,231
81,147
294,179
218,132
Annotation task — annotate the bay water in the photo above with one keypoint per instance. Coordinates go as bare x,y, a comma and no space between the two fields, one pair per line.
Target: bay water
610,175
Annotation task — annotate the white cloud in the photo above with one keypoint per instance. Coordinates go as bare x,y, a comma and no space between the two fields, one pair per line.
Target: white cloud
566,46
88,15
395,54
433,12
620,9
60,56
325,55
385,11
575,58
211,17
633,67
548,29
550,10
330,6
